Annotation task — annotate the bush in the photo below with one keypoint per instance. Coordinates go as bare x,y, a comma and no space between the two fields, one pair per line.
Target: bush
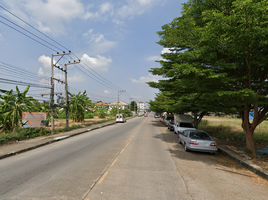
89,115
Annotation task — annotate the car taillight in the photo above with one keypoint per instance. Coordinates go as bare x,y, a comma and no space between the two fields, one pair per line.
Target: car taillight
193,142
213,144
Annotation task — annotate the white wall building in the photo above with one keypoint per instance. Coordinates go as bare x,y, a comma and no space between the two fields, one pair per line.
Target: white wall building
141,106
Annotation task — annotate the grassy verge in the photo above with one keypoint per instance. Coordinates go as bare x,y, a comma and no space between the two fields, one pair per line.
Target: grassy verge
230,129
27,133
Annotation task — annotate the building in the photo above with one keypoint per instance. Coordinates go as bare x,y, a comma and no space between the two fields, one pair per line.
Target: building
121,105
141,106
103,105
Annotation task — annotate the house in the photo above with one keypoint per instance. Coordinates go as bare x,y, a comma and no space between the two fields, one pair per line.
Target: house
121,105
103,105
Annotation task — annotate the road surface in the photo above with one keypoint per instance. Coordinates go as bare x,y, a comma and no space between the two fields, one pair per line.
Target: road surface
139,159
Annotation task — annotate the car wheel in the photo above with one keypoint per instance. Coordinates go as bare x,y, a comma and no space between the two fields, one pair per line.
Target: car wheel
185,148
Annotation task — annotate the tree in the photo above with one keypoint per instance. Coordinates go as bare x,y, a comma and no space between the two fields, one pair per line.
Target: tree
133,105
78,105
219,50
12,107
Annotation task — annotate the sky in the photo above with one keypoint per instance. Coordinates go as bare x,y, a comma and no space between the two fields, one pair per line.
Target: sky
115,41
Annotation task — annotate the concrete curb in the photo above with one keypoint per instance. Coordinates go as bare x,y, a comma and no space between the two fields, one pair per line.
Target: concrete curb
245,163
82,130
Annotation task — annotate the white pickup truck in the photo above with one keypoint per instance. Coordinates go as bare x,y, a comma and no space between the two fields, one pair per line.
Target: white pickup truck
182,122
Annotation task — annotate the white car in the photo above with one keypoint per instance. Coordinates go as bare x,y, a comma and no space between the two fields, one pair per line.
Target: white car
120,117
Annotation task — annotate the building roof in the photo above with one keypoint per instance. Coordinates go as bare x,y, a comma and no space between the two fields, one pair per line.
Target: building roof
101,103
140,102
120,104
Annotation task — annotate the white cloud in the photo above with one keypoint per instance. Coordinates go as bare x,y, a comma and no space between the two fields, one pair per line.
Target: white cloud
166,50
153,58
98,42
46,61
36,12
76,78
145,79
106,92
42,73
99,63
135,8
106,7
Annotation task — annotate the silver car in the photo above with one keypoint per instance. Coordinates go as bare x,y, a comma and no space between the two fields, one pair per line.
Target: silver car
196,140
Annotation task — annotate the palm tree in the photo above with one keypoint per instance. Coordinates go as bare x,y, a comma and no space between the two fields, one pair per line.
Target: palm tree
12,106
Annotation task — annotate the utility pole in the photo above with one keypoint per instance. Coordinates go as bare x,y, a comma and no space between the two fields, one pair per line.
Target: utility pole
134,106
66,94
119,92
130,103
52,105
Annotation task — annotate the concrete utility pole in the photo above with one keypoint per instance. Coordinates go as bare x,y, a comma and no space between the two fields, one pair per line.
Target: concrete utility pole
119,92
66,94
52,105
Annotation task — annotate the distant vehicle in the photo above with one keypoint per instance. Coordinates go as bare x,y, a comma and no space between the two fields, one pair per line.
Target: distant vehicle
196,140
120,117
156,115
171,125
145,115
182,122
140,114
161,118
168,118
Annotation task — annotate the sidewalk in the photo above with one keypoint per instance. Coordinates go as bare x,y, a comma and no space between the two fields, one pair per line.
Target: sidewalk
26,145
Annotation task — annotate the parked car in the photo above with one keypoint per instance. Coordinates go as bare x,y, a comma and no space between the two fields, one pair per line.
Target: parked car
171,125
196,140
145,115
161,118
168,118
156,115
120,117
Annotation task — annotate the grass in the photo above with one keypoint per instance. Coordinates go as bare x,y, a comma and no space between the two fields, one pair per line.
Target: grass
230,129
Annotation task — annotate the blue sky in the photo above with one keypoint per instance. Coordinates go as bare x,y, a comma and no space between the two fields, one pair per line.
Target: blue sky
116,39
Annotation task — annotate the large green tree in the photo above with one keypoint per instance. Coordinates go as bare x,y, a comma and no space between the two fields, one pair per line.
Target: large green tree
219,51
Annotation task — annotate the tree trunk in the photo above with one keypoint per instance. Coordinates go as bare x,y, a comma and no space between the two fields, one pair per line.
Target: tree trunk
249,130
250,140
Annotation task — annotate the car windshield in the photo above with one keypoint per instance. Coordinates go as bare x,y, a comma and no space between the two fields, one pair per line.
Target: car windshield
199,135
187,125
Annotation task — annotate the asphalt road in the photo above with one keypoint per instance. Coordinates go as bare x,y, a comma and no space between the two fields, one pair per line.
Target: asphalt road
139,159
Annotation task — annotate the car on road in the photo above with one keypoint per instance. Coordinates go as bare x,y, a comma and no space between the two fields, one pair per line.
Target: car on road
197,140
171,125
120,117
145,115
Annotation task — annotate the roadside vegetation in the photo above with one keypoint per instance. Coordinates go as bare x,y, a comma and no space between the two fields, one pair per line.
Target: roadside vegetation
215,60
13,104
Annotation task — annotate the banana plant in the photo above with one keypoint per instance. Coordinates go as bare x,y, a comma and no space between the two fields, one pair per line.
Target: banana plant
13,105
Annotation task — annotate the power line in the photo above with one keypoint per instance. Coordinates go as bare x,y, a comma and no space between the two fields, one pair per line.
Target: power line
32,26
97,77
